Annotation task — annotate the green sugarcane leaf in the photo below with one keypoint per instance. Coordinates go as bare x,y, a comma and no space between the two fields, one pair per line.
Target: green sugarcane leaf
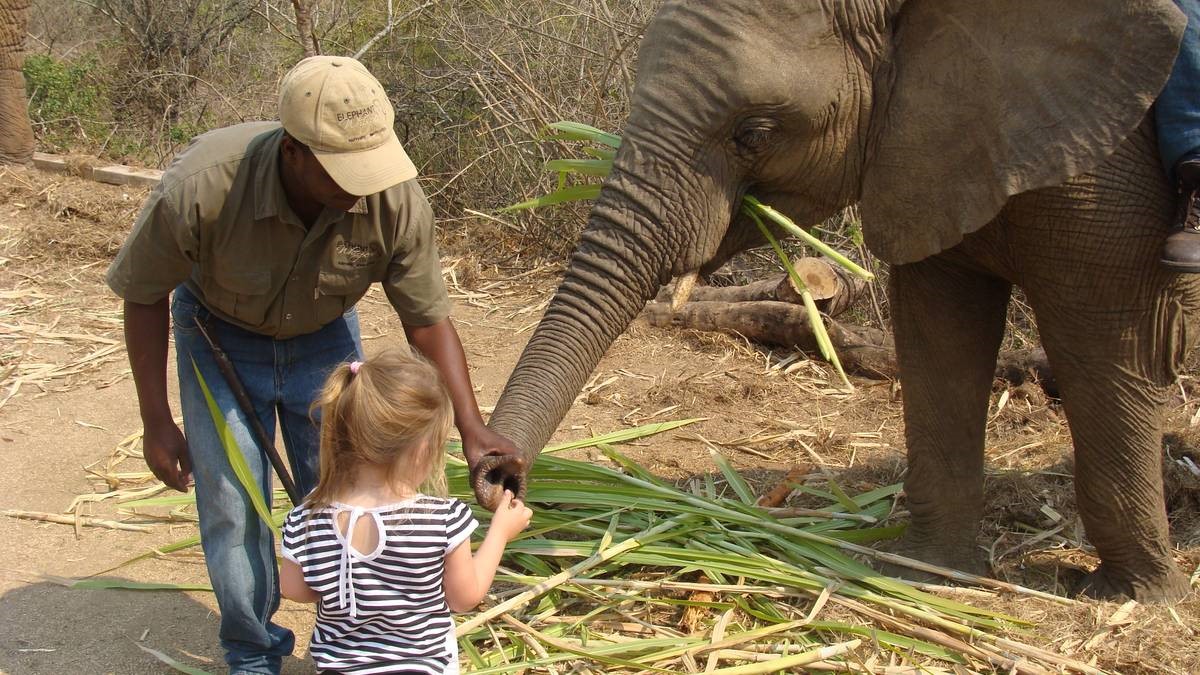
868,535
586,167
621,436
472,652
574,193
628,465
735,480
890,639
815,322
795,230
237,460
577,131
600,153
868,498
844,499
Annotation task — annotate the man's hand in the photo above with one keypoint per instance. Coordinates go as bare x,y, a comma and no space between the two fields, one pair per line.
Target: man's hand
481,441
163,444
166,453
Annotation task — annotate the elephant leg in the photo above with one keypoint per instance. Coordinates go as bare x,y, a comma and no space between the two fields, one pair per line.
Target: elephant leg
1112,375
948,320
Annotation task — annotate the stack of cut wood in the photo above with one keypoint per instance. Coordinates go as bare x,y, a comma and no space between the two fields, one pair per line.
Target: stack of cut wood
771,312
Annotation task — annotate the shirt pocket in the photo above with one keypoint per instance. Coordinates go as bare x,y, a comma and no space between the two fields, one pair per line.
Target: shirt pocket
239,294
338,291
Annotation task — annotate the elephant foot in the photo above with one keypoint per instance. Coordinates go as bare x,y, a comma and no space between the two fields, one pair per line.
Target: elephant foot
1105,585
963,558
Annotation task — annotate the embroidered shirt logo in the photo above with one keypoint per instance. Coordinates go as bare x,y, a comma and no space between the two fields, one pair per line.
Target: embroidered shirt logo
349,254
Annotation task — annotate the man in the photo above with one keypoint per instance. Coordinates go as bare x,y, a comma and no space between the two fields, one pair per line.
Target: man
268,234
1177,113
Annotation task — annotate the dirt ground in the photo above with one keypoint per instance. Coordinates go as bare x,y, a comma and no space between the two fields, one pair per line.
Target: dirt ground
68,401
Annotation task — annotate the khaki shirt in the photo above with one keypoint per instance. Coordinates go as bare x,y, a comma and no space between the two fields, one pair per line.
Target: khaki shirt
219,221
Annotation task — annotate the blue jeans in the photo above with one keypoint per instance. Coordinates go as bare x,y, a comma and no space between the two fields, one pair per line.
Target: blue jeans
1177,109
282,378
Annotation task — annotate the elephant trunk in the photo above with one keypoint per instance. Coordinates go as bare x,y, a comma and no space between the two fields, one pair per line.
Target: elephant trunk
616,268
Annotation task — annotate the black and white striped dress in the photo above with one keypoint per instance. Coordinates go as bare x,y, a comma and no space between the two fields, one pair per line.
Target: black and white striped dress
383,611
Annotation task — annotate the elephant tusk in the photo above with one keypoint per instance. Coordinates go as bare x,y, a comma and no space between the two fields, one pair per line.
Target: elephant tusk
683,290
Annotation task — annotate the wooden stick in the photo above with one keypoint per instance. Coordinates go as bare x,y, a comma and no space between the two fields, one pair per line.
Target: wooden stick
75,521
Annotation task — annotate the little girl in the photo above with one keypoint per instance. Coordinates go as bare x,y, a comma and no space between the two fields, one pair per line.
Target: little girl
384,559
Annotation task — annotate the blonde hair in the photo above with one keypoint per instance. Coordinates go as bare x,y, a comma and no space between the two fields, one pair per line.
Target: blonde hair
394,413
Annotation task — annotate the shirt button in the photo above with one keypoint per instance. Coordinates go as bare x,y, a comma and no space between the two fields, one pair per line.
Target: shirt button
295,278
287,317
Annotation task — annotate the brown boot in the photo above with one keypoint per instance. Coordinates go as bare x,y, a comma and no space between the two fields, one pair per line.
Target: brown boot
1181,251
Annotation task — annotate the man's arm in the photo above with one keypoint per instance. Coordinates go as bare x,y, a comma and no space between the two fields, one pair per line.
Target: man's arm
163,444
439,343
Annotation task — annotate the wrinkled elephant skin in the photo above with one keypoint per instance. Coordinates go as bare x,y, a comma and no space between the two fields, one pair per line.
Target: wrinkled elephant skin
16,135
988,143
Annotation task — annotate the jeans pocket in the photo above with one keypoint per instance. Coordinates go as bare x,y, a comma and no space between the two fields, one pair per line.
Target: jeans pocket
185,312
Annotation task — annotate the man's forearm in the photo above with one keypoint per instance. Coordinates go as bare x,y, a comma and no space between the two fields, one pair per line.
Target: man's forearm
146,328
440,343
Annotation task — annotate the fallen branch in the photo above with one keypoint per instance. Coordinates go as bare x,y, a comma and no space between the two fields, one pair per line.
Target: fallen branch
76,521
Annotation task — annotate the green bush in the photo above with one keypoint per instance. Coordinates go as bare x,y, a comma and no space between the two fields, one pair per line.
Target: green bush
66,103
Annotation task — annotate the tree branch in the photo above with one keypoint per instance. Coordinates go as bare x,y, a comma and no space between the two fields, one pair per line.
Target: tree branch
390,26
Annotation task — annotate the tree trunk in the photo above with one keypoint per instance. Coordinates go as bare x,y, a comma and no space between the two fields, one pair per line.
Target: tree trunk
308,39
16,133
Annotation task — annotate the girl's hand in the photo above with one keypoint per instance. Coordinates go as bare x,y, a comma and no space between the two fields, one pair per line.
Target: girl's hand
511,516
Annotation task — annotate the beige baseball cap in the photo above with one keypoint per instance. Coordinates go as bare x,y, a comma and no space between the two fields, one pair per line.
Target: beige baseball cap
339,110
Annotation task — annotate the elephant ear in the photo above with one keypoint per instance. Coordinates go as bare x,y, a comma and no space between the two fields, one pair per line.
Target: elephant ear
985,99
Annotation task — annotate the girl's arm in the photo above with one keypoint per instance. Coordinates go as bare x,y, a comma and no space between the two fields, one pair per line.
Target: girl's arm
292,585
467,578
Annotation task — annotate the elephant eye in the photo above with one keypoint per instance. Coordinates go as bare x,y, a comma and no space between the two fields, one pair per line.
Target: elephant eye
753,134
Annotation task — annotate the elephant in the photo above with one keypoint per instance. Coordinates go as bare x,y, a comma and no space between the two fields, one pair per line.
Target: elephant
988,143
16,134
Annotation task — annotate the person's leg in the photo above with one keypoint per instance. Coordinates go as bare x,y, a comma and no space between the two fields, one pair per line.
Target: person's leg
239,548
1177,115
302,365
1177,109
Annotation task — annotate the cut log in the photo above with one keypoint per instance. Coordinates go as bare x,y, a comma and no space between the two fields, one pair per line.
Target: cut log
862,350
833,287
868,352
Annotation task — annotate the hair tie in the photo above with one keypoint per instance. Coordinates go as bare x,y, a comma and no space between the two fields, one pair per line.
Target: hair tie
354,366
